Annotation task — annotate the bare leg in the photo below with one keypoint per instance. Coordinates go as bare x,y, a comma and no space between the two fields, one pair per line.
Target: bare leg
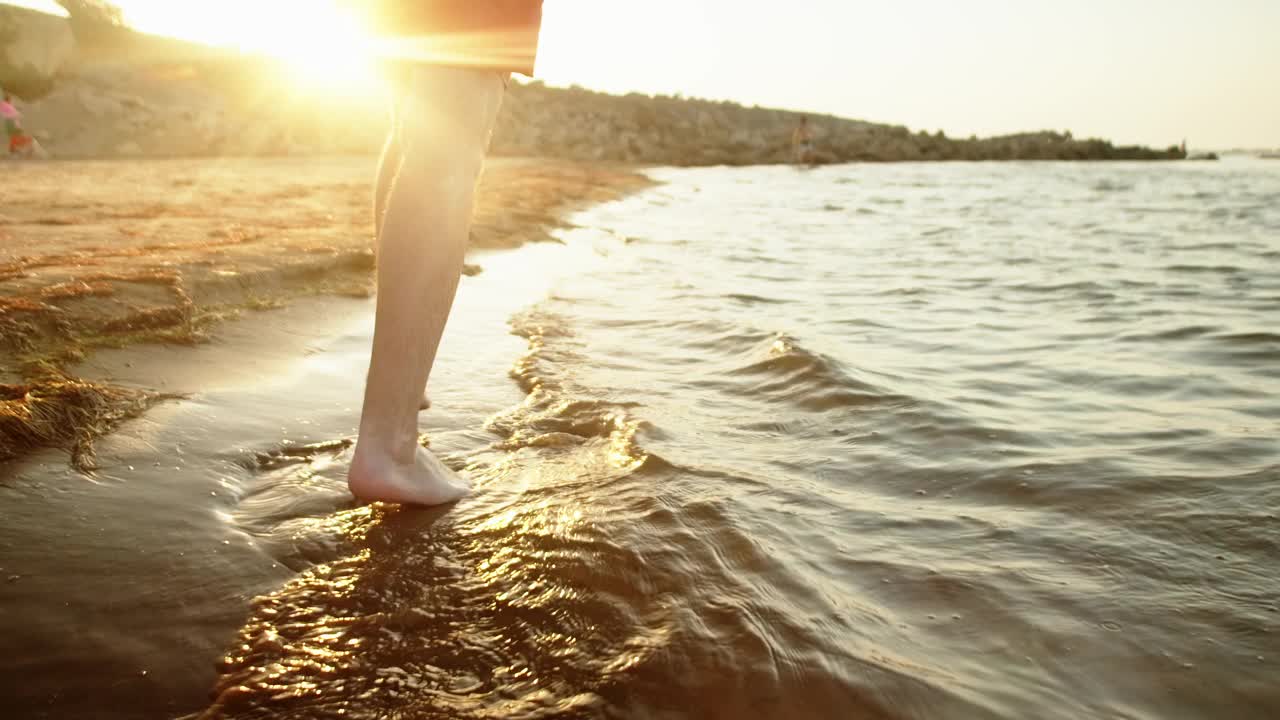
388,168
442,133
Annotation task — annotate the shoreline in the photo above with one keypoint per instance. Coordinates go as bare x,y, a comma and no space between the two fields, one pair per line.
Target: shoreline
193,244
129,582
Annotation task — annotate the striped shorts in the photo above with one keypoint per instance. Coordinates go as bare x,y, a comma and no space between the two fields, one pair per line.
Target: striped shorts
479,34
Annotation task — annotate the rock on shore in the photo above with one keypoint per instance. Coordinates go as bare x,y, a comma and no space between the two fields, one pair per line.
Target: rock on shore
33,48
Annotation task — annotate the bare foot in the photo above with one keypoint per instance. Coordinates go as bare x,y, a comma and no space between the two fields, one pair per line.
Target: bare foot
426,482
426,402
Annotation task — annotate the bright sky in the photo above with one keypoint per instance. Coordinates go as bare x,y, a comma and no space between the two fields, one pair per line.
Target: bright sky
1134,71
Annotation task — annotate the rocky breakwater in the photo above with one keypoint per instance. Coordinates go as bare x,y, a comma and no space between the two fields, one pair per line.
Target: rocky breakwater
92,90
138,95
586,125
195,108
34,47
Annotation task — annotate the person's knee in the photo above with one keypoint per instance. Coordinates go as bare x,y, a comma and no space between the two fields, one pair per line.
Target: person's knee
448,115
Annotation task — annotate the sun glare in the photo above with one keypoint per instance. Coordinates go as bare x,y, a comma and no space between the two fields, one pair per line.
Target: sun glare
323,43
44,6
333,49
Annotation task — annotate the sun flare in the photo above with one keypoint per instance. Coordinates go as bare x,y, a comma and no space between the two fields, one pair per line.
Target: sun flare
322,42
333,48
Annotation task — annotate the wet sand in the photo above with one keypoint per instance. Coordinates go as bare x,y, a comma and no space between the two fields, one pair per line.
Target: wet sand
124,585
107,254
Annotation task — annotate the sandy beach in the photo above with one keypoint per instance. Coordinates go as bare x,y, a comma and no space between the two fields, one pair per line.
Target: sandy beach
116,253
137,296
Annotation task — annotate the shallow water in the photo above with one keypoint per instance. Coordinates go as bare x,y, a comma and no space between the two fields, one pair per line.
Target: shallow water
906,441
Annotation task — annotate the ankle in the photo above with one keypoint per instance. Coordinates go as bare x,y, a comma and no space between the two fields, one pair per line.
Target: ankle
395,448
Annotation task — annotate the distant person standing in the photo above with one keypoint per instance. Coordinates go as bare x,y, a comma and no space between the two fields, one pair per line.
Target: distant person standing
802,142
20,143
451,60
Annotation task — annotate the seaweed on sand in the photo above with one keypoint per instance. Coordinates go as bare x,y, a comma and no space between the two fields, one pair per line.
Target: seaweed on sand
65,413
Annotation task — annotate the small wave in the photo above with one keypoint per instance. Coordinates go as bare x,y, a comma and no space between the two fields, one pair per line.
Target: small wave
536,323
554,414
861,323
1238,213
293,454
1255,353
537,326
1222,269
901,292
550,419
1178,333
1206,246
293,501
714,335
1250,339
1077,286
1111,186
1129,283
809,380
748,299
